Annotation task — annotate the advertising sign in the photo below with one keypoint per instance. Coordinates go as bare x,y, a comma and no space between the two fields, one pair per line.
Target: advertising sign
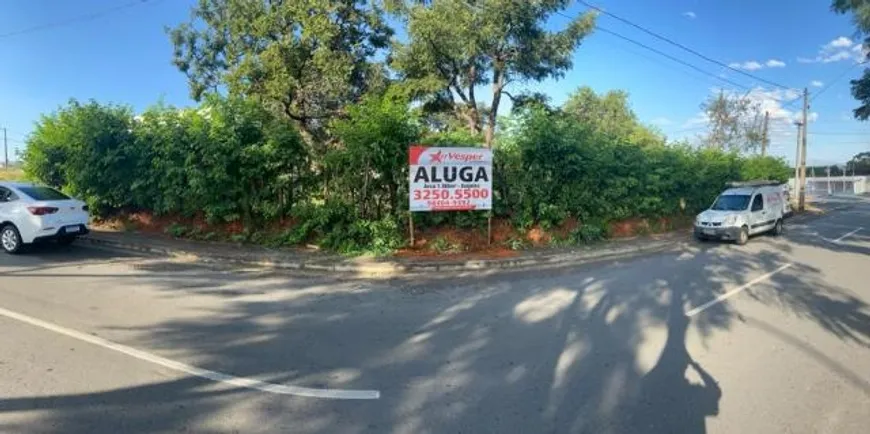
450,179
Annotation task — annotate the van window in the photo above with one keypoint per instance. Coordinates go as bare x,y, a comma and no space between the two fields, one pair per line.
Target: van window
731,202
757,203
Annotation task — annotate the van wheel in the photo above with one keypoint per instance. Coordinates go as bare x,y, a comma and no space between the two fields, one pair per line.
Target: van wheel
743,236
10,239
777,228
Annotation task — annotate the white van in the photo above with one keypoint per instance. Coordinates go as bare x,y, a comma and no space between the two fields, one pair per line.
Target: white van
745,209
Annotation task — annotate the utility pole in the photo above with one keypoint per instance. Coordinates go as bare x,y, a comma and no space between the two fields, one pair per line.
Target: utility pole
797,163
764,134
5,150
803,175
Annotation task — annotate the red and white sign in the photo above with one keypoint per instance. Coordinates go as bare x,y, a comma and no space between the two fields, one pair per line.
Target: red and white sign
450,179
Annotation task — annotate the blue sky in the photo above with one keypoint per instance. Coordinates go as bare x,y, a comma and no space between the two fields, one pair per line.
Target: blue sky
124,57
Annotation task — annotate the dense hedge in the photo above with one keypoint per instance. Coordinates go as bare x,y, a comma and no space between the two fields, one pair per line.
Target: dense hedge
557,167
232,160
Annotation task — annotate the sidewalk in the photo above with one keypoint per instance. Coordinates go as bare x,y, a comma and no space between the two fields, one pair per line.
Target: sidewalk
299,259
302,259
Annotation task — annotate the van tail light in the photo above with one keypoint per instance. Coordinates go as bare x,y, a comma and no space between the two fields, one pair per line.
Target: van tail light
42,210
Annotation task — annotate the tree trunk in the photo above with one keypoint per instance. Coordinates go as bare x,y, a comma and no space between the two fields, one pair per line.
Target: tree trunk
473,117
497,88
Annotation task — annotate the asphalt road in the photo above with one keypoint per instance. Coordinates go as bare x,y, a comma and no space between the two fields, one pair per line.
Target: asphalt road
770,337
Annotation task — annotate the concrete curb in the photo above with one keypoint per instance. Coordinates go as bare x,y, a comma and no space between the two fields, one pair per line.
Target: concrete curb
374,267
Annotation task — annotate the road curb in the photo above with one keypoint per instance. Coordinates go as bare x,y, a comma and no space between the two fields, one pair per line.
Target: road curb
374,267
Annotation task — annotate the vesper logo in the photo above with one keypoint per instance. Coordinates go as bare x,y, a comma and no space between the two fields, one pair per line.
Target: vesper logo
464,157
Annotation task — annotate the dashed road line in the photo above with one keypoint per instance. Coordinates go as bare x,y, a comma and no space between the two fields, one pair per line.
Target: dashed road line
847,235
735,291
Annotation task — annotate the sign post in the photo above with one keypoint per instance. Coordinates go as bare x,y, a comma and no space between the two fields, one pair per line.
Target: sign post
449,179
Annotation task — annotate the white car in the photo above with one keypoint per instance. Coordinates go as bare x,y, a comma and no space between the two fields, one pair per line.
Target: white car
31,213
749,209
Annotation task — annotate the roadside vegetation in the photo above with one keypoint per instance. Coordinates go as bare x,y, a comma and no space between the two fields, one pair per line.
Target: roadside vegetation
306,144
12,174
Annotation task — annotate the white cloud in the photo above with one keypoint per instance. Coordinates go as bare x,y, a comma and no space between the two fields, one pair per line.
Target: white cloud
836,57
777,102
816,83
841,42
837,50
752,65
749,66
690,15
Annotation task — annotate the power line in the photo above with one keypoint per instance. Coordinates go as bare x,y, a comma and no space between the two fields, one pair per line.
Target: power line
675,59
647,47
860,133
672,58
658,61
72,20
677,44
682,62
831,83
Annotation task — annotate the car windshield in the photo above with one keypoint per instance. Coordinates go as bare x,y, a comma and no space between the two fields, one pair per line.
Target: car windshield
43,193
731,202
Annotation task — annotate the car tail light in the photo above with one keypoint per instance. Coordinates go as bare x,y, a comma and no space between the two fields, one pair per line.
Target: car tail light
85,208
42,210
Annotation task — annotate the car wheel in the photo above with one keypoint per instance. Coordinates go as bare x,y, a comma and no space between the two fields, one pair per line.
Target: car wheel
777,228
65,241
10,239
743,236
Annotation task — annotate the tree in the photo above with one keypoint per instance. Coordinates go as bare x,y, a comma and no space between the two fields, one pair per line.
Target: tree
611,115
765,168
735,122
861,92
860,10
457,46
372,165
307,59
859,164
88,149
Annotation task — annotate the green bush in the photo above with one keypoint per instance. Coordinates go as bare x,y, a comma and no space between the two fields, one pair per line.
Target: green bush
589,233
557,167
765,168
228,160
233,160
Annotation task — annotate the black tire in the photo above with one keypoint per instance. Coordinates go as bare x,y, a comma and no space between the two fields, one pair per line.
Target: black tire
10,239
743,236
702,238
65,241
777,228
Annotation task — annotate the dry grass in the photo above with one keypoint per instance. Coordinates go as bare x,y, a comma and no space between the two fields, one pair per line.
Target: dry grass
13,174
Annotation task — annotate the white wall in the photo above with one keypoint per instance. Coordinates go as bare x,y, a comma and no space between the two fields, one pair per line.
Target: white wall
822,185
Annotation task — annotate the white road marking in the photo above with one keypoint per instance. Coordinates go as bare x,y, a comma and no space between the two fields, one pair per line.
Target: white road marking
248,383
735,291
847,235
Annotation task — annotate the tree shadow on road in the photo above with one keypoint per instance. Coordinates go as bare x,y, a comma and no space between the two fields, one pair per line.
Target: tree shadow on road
668,402
552,351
